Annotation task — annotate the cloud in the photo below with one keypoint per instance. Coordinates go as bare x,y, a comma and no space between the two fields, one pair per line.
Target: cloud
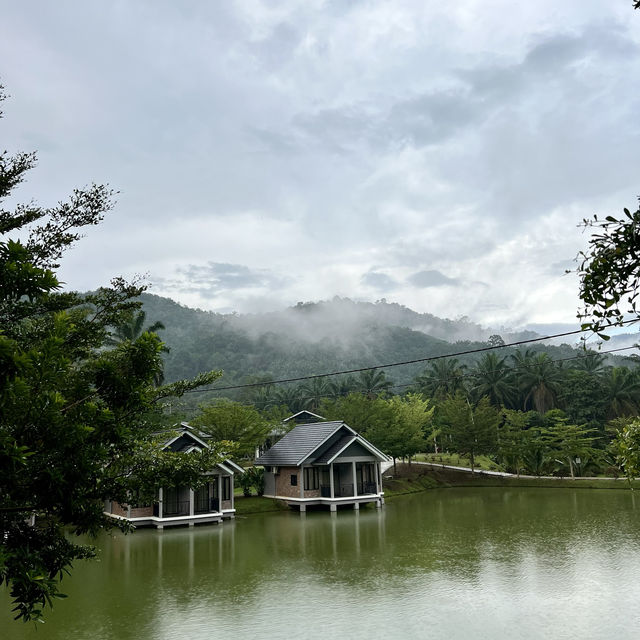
378,280
431,278
216,278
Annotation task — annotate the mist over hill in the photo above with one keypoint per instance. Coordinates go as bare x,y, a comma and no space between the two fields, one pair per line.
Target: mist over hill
316,337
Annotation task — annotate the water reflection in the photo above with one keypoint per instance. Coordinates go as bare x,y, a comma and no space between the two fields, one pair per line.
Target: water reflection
461,563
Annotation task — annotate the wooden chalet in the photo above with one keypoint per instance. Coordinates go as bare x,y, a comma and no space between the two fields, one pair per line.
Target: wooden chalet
182,505
323,463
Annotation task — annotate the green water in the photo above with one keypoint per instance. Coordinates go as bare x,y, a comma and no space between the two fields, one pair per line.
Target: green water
458,563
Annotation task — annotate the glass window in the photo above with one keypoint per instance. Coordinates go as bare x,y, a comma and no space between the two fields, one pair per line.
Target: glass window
226,488
294,479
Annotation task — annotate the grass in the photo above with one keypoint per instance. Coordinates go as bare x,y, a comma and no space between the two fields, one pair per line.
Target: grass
413,478
455,459
257,504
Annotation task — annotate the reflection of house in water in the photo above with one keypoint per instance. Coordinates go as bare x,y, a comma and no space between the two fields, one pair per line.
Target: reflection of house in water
182,505
323,463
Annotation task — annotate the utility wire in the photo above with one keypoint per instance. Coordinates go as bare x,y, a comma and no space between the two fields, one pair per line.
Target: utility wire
394,364
471,374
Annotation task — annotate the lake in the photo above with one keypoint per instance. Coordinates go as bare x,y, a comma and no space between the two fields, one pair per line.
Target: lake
451,563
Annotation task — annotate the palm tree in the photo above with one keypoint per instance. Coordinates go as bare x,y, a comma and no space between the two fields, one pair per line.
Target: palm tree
291,397
372,383
341,386
592,362
494,378
443,377
622,389
313,392
133,329
540,383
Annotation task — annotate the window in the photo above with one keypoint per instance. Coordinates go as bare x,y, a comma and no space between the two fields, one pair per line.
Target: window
294,479
311,478
226,488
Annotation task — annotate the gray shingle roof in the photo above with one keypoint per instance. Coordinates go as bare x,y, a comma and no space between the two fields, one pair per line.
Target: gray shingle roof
299,443
340,444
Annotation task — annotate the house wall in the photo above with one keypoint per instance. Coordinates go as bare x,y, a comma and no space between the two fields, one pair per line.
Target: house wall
283,482
356,449
226,504
312,493
118,510
141,512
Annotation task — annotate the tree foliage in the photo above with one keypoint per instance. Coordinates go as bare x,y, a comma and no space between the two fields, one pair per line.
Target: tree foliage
74,416
609,272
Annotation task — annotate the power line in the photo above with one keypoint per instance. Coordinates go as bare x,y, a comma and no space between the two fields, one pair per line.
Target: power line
471,374
393,364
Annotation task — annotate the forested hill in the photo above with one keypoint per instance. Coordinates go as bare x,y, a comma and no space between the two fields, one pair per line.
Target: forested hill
313,338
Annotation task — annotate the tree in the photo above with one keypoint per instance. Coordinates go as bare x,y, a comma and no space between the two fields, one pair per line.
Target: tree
470,430
622,392
443,377
74,416
372,382
512,439
132,328
493,378
540,382
233,422
609,272
364,414
569,444
404,436
627,449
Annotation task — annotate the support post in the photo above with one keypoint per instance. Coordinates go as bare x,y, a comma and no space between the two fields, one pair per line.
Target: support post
233,486
160,502
301,483
331,480
219,493
355,479
192,510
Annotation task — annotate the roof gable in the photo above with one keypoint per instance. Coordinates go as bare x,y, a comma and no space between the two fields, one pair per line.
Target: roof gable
301,442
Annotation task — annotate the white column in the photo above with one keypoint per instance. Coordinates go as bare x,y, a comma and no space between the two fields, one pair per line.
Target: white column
192,509
331,479
355,480
232,491
220,493
377,470
160,502
301,481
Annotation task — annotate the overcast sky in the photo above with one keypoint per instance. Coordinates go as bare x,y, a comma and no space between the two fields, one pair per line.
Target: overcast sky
436,154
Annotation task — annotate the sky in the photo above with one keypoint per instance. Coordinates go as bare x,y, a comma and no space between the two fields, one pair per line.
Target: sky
436,154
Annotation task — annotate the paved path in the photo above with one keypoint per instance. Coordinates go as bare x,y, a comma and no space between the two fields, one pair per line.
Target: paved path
434,465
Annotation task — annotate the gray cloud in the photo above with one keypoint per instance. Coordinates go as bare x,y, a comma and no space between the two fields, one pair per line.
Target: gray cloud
431,278
342,142
215,278
379,281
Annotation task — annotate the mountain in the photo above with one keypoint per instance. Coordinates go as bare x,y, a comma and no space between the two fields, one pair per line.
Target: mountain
314,337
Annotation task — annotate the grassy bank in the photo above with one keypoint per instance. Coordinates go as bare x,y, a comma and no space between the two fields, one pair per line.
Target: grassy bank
255,504
413,478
